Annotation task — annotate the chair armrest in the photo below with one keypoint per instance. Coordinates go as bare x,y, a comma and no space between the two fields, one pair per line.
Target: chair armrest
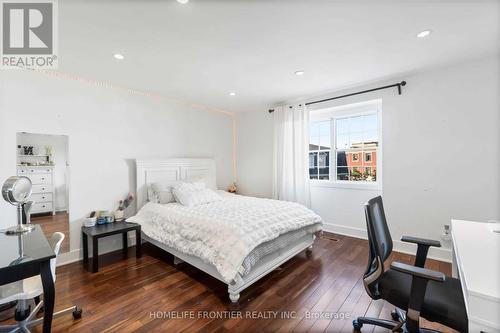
421,241
419,279
418,272
422,249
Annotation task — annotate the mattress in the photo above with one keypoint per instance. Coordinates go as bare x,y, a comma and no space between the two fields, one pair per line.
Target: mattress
274,245
231,234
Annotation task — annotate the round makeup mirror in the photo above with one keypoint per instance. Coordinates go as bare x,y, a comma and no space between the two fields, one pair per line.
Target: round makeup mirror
16,190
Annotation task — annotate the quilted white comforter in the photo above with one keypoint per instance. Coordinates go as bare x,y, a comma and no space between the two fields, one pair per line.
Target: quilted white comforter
223,233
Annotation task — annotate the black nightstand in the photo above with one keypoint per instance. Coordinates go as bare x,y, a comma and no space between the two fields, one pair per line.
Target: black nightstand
100,231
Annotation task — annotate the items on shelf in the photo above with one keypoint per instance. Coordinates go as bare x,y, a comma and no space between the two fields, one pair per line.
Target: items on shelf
89,221
99,217
104,217
48,150
32,155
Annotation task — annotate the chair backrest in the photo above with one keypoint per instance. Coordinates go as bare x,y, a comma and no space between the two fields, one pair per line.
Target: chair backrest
380,242
55,242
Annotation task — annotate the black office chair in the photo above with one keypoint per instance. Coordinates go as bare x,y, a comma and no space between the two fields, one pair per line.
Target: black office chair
414,290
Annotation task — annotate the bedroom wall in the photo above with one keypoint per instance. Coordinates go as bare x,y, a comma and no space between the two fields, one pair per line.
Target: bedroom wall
254,153
107,130
441,149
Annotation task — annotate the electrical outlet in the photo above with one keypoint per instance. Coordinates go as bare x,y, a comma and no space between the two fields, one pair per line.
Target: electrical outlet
446,234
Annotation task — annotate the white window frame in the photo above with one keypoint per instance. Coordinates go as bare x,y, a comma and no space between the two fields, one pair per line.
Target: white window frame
347,111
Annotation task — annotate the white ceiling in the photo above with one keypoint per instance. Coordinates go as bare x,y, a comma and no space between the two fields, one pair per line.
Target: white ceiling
201,51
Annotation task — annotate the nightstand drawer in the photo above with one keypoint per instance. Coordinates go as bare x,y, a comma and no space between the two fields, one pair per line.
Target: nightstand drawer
42,188
41,197
42,207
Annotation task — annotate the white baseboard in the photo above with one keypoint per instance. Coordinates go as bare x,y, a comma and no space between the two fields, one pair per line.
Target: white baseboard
346,231
77,254
442,254
69,257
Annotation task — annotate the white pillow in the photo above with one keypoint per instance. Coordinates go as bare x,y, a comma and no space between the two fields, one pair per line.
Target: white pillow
161,193
194,194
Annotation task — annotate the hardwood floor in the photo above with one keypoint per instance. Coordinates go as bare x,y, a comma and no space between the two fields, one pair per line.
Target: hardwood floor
52,223
135,295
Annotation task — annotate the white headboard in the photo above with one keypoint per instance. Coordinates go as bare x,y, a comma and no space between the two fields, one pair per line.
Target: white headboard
170,170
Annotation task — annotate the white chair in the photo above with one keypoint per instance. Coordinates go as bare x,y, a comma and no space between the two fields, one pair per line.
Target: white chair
31,288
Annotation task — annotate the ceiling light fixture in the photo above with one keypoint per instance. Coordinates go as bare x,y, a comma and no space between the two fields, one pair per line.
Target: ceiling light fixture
118,56
183,1
423,34
232,94
299,73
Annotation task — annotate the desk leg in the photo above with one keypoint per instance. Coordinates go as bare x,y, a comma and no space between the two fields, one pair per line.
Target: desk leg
125,244
48,295
95,254
138,244
85,248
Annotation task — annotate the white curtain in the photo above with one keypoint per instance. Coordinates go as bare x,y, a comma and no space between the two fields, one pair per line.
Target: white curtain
291,147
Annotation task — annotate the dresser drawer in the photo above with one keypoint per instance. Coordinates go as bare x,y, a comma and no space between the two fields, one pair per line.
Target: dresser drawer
41,207
41,197
42,188
40,178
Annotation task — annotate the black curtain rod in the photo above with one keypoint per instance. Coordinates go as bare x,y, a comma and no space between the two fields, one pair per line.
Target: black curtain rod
398,85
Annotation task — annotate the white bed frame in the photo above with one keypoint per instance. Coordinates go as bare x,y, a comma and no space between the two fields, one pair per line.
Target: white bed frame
178,169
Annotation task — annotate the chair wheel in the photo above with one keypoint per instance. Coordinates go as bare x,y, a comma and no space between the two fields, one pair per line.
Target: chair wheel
77,313
395,315
356,325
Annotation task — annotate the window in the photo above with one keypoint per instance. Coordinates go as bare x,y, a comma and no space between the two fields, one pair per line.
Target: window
368,157
319,150
311,161
350,135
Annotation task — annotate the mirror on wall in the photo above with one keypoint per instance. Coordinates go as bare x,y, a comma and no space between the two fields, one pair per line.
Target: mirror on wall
43,158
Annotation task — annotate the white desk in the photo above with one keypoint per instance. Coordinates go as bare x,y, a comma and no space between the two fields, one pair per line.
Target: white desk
476,260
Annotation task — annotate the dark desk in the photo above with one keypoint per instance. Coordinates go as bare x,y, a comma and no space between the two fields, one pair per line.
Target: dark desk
103,230
36,260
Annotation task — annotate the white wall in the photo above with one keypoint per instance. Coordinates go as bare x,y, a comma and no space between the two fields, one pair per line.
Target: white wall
59,144
254,153
107,130
441,151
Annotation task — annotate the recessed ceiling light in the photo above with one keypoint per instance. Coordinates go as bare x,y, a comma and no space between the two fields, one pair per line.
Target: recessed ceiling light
183,1
232,94
118,56
299,73
423,34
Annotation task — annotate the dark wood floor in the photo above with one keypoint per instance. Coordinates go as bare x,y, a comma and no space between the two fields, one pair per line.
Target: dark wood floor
125,295
52,223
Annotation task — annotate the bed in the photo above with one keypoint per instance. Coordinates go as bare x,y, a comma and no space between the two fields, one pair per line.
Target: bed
237,240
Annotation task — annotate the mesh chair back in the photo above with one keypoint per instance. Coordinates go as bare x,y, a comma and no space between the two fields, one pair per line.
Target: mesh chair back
380,242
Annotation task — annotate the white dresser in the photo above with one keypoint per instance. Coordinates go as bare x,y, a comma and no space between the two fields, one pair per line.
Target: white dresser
42,178
476,261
